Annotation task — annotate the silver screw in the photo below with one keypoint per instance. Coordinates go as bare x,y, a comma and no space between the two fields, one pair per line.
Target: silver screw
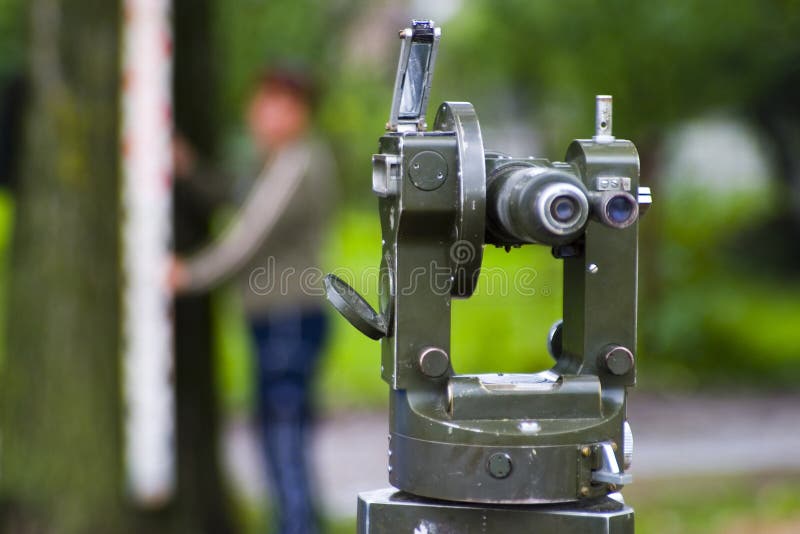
592,268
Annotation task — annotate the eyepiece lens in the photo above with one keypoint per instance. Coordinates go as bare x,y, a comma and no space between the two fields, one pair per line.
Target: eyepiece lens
563,208
619,209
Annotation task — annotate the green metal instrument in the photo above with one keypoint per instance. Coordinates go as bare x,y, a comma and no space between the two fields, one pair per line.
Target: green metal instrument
545,448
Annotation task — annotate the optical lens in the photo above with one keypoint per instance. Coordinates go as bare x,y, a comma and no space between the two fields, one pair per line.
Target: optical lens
619,209
563,208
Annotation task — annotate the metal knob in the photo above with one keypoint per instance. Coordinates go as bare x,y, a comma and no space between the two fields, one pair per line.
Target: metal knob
617,359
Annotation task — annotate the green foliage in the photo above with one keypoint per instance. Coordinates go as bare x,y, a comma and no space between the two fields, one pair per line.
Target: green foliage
233,350
712,322
12,31
255,33
6,226
353,116
663,62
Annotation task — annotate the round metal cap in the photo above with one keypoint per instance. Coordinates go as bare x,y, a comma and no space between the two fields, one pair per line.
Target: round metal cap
354,308
428,170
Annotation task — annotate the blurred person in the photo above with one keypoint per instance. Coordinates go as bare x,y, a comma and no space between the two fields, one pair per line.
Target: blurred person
272,248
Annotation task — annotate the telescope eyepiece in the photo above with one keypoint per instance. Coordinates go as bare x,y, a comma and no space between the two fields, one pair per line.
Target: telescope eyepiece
561,208
532,204
618,210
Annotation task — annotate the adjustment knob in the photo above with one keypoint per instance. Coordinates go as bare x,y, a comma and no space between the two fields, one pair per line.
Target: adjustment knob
617,359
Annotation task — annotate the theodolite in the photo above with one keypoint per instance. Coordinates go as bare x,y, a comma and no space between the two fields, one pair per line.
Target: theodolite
499,453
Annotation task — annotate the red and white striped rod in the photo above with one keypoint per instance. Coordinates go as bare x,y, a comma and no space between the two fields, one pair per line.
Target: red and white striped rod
146,236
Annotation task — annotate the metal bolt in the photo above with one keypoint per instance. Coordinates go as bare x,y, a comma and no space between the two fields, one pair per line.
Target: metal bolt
614,446
586,451
592,268
612,487
434,362
584,490
499,465
618,360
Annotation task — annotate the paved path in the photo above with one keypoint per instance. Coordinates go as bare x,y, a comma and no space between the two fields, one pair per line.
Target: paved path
674,437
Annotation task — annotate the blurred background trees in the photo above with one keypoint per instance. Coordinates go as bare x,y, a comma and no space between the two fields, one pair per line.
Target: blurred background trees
708,90
60,411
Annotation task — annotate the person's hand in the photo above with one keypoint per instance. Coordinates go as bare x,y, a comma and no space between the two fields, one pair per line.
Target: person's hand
177,275
184,159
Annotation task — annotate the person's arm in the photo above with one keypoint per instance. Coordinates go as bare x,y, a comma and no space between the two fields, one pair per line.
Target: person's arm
252,224
204,187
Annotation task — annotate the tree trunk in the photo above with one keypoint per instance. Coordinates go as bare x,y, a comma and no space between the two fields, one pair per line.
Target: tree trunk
202,503
60,415
60,402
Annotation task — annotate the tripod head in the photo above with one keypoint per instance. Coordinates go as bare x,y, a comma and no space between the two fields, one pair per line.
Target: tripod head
555,436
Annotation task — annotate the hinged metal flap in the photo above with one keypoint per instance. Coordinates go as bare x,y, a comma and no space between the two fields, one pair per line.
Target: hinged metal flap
414,74
354,307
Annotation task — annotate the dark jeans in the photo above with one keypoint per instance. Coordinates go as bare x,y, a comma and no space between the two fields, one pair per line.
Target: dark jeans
288,346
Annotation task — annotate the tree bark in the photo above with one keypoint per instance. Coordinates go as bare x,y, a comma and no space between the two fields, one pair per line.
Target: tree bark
60,408
202,502
61,467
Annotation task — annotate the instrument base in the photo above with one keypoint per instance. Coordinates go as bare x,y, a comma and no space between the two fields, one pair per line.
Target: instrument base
389,511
